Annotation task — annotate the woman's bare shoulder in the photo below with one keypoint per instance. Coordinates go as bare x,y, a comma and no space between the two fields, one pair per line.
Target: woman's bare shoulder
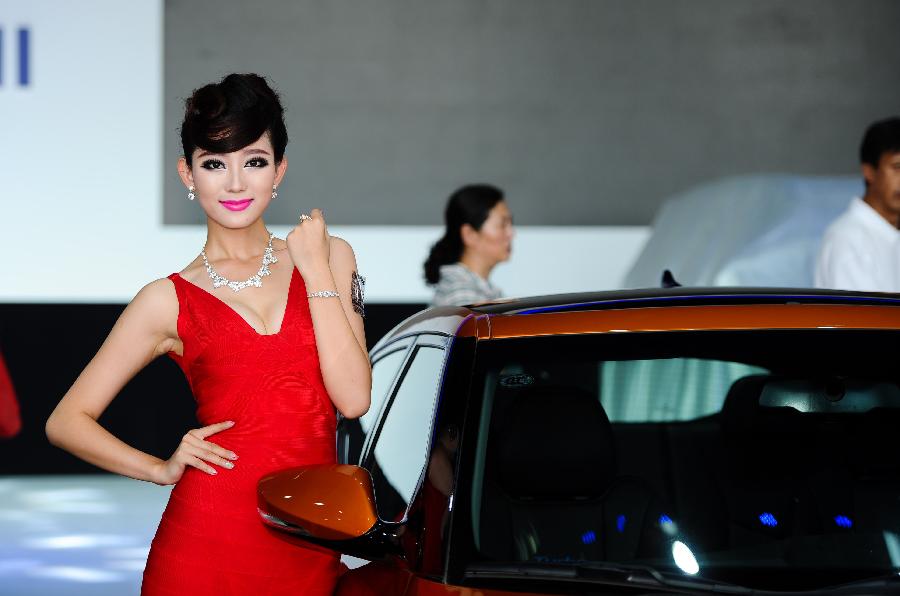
151,316
156,298
342,252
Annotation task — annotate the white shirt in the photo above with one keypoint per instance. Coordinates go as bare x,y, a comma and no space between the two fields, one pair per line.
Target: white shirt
860,251
459,286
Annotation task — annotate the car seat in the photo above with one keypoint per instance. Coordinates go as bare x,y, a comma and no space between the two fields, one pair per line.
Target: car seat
551,490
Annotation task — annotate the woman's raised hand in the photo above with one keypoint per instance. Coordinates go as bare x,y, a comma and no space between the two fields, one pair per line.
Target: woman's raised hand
194,450
309,244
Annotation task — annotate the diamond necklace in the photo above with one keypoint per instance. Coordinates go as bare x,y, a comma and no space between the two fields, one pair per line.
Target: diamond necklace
254,280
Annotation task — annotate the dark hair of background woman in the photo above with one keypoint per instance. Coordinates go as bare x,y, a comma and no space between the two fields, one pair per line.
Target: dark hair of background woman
469,205
226,116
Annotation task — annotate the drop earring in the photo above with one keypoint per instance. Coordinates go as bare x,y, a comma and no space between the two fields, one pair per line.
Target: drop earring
274,192
191,194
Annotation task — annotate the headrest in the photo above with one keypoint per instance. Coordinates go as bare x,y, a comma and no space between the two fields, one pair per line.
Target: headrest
755,400
555,443
834,395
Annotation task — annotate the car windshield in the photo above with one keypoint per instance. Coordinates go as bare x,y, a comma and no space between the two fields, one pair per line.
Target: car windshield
764,459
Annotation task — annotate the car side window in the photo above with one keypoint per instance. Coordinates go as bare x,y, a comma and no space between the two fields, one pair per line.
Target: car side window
384,371
402,444
352,434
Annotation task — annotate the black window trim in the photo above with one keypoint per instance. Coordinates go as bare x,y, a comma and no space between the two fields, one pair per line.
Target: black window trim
402,344
421,342
424,340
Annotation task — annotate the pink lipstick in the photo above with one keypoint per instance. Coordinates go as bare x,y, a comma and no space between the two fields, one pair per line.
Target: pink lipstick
238,205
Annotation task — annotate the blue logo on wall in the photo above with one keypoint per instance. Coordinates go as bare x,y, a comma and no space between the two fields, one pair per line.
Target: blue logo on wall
22,52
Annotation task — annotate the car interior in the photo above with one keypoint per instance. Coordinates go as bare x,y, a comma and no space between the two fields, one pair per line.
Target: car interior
787,467
546,519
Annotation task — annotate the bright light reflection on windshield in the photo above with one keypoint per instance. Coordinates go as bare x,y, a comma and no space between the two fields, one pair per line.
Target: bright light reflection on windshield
684,558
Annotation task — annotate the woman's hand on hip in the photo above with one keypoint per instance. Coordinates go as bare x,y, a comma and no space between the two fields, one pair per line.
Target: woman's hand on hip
194,450
309,244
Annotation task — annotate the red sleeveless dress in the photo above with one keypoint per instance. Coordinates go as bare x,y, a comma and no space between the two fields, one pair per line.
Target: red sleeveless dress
210,539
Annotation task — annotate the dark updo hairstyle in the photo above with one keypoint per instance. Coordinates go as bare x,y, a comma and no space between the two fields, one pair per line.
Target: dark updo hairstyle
229,115
469,205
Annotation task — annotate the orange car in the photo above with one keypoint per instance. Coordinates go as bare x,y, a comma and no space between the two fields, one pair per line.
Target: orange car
678,440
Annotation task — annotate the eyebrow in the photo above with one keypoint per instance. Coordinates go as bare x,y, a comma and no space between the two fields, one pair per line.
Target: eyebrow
204,153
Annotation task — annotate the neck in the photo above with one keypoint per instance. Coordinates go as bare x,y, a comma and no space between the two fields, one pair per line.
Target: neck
239,244
892,217
477,264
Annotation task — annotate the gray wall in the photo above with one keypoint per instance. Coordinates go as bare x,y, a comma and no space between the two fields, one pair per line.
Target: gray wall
586,111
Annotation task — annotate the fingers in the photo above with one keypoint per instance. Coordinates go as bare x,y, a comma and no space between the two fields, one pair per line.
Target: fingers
198,456
315,220
316,217
207,446
196,451
214,459
200,465
206,431
319,216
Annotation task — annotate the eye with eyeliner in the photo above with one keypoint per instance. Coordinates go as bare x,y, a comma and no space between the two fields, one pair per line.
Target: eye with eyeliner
217,164
213,164
257,162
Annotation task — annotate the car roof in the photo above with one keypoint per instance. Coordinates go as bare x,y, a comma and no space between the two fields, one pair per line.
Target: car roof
651,310
679,296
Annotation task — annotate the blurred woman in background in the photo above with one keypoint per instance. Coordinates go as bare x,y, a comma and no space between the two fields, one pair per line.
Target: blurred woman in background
478,236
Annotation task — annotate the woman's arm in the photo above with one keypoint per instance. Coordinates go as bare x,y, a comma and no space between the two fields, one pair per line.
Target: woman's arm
340,335
146,328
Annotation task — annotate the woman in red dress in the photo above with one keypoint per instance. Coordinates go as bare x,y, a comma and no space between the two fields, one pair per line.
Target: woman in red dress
270,335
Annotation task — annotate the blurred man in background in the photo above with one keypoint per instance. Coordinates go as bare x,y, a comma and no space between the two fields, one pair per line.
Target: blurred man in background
861,248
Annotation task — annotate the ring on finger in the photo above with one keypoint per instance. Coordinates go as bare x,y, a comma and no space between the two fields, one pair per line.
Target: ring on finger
304,217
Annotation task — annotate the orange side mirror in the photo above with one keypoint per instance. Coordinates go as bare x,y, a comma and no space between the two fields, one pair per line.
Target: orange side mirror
325,501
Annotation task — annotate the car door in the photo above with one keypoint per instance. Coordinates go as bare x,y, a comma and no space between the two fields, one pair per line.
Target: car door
399,455
396,452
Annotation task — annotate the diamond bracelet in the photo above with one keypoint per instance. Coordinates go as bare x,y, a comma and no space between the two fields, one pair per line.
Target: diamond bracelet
323,294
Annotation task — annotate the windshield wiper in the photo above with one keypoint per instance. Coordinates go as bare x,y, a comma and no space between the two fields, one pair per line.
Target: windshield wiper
635,576
645,577
884,584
